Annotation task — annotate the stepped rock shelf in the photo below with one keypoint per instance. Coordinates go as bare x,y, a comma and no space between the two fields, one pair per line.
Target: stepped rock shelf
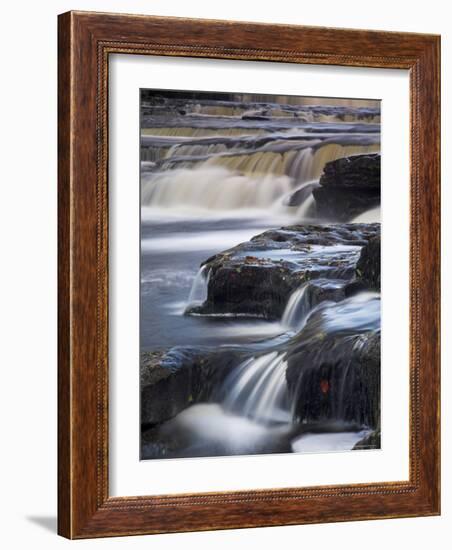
256,278
330,376
260,323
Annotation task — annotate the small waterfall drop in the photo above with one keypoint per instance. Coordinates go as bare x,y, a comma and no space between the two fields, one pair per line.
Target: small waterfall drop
306,207
297,309
198,292
257,388
307,164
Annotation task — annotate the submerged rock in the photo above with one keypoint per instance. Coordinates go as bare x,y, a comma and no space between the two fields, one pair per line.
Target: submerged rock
349,186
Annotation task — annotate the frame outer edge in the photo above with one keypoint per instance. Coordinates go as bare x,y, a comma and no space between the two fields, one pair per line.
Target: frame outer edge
432,113
426,235
64,278
82,511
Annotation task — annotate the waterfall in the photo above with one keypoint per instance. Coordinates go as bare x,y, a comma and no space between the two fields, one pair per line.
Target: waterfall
301,164
304,374
211,187
153,153
297,309
305,208
260,162
198,292
307,164
225,182
257,389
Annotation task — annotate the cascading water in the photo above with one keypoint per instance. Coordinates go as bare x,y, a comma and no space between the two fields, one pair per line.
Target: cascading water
198,291
211,188
359,313
227,181
257,389
302,163
307,164
220,171
297,309
305,208
334,353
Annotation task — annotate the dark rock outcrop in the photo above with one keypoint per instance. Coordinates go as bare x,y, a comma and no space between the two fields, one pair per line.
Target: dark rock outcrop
335,376
368,268
348,187
253,288
257,277
172,380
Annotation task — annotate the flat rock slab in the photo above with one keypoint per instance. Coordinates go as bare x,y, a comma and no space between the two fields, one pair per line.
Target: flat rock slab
256,278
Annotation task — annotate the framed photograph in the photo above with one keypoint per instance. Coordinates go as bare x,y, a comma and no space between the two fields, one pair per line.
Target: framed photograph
248,275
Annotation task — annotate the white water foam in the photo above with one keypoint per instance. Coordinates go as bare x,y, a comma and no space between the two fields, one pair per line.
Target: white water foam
324,442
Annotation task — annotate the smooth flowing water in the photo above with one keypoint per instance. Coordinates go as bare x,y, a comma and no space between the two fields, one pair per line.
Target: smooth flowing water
212,179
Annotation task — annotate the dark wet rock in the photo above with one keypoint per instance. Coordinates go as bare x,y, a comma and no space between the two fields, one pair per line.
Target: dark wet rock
368,268
297,236
357,171
172,380
348,187
355,287
335,376
256,289
320,290
257,277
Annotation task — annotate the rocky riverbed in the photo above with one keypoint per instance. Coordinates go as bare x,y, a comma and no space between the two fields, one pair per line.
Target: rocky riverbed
260,323
330,347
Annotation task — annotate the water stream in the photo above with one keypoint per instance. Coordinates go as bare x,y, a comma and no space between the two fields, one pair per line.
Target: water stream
216,176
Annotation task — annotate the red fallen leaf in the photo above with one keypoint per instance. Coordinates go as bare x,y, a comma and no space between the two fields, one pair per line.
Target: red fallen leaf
324,386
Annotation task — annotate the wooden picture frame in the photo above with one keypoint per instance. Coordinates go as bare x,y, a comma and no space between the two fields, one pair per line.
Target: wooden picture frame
85,42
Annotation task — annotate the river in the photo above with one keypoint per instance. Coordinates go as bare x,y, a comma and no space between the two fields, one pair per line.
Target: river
216,174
